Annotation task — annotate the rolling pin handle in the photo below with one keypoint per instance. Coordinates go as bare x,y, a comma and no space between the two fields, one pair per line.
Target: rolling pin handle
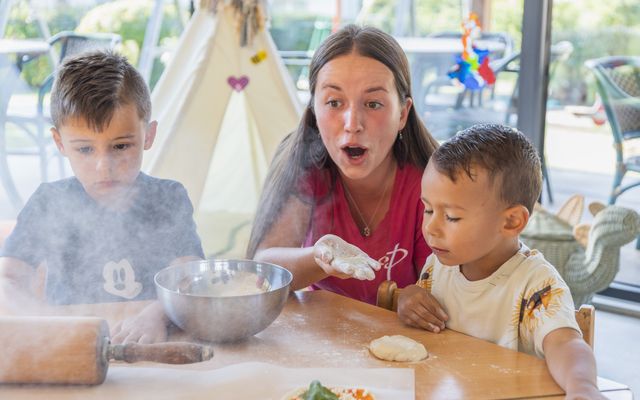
167,353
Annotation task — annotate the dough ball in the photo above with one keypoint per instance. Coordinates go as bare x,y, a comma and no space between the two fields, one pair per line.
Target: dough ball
398,348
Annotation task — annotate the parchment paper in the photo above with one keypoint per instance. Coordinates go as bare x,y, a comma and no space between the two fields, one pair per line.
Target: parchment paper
260,381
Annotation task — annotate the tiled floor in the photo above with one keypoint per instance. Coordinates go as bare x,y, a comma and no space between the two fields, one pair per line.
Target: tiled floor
616,348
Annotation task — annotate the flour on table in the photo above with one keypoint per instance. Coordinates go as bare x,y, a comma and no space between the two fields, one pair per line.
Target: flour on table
398,348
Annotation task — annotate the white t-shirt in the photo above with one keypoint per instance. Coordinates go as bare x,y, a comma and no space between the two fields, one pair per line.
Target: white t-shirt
515,307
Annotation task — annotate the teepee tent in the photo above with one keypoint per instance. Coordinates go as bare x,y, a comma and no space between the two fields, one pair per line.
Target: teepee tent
223,105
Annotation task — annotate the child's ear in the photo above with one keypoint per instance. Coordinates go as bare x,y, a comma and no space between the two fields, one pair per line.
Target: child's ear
515,220
150,134
58,140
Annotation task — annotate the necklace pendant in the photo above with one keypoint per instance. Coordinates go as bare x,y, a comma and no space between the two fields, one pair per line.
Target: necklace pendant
366,232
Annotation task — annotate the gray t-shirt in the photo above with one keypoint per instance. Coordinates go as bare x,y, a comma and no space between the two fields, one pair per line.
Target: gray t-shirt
96,255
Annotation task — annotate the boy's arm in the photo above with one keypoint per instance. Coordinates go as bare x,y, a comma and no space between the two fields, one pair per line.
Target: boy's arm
571,363
16,293
281,245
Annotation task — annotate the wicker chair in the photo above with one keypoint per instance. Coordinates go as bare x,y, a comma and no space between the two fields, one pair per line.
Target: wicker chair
585,270
618,82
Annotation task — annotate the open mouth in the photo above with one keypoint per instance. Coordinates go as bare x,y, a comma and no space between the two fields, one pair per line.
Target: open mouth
354,151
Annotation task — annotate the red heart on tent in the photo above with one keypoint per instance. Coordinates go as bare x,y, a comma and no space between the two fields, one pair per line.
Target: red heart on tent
238,84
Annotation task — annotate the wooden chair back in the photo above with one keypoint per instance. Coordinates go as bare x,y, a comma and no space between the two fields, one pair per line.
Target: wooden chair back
586,318
388,294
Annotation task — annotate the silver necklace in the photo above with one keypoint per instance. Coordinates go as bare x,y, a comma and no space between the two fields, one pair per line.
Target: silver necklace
366,231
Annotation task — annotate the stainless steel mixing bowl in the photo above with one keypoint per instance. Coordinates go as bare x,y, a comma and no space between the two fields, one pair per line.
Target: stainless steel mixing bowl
205,298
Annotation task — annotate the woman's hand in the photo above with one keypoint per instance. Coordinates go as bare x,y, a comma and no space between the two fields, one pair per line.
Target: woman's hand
149,326
418,308
339,258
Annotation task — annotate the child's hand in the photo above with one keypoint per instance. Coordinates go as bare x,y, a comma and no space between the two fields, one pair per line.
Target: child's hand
417,307
149,326
339,258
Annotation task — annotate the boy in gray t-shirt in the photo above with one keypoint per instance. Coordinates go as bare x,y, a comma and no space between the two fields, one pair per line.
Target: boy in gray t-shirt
102,234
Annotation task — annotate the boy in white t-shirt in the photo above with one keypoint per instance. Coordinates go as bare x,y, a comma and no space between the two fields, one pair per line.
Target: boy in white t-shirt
479,189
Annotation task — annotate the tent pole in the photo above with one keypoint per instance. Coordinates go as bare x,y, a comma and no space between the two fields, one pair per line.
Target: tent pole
151,36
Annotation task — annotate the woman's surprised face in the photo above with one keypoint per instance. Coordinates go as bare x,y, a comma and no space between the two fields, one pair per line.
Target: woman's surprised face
359,113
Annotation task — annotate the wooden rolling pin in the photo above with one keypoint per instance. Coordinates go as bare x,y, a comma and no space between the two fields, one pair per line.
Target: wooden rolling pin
76,350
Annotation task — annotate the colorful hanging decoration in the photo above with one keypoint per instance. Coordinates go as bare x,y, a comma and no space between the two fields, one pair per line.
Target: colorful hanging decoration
472,66
259,57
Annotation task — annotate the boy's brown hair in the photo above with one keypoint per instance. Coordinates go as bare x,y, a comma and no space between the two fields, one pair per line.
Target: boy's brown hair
92,86
505,153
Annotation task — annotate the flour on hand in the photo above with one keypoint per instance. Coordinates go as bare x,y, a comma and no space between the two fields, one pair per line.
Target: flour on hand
346,258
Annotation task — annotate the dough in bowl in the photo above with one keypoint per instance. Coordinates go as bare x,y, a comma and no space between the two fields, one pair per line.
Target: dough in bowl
398,348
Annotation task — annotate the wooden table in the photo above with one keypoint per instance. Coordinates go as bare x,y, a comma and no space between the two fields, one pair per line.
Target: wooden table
322,329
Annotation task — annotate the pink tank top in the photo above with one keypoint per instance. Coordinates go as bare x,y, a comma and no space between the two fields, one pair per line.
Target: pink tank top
397,243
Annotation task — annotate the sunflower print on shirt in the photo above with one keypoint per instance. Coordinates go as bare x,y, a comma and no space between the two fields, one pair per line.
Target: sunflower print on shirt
426,278
535,305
